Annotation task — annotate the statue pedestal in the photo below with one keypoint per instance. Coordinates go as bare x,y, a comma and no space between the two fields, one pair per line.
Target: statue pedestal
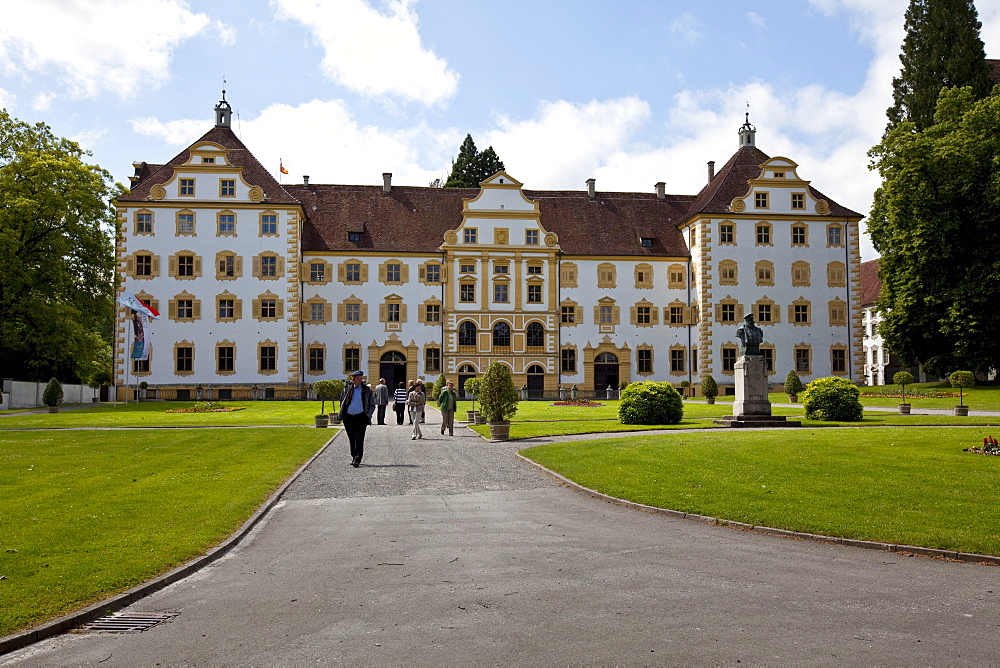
752,407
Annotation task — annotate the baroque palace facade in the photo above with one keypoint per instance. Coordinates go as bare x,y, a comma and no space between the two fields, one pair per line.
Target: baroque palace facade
269,287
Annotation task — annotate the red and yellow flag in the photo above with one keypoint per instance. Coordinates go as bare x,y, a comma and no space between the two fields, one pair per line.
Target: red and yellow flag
281,167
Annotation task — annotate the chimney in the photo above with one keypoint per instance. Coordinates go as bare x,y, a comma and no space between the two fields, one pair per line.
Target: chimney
661,190
711,170
305,179
386,183
592,189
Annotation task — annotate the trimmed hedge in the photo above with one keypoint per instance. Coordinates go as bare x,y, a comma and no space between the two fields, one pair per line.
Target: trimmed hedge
832,399
650,403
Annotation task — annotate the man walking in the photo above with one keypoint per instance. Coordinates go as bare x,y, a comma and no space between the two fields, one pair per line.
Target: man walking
381,399
447,403
357,404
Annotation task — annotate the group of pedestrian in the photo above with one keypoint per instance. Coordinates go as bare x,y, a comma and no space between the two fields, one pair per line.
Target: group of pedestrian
359,401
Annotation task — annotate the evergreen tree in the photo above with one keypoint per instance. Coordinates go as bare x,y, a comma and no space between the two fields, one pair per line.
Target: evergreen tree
936,224
472,167
942,48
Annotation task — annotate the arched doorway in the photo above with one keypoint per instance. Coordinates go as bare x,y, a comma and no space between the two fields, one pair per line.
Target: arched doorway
392,367
465,372
605,372
536,381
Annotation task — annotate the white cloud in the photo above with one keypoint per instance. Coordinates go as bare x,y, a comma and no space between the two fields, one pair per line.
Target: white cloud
6,99
97,45
687,29
42,101
376,54
757,20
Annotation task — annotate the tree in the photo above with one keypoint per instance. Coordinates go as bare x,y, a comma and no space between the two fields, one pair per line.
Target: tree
57,233
498,397
470,167
936,223
942,48
902,378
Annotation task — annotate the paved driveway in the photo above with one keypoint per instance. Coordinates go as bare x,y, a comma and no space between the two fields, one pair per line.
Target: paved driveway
452,551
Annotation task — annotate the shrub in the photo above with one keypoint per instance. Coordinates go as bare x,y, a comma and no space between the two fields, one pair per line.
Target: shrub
622,385
53,394
327,389
902,378
497,394
793,384
650,403
832,399
708,386
961,379
438,386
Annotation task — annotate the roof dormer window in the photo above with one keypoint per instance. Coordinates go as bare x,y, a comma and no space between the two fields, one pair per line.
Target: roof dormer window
354,237
647,242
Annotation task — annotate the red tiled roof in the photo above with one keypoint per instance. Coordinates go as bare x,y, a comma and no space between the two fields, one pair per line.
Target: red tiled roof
871,284
253,172
731,181
414,219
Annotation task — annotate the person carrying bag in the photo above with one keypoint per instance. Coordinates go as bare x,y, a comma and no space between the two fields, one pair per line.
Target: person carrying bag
415,402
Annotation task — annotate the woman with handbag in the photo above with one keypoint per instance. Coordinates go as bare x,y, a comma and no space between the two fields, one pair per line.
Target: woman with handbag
415,402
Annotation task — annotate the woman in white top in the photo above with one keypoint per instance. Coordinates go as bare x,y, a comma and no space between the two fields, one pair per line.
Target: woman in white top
415,402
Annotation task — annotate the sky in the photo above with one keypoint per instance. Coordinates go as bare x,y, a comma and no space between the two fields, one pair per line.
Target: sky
629,92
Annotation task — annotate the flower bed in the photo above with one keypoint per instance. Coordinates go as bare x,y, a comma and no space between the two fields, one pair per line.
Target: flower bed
207,407
587,403
989,447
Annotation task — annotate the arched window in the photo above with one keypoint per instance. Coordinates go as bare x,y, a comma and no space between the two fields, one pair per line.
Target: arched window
501,334
467,333
393,356
606,358
535,368
535,335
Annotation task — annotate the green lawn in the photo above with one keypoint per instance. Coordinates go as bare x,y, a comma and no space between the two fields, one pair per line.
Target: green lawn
980,397
154,414
905,486
89,514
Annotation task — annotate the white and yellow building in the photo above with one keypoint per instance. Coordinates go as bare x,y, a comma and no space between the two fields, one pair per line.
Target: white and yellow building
269,287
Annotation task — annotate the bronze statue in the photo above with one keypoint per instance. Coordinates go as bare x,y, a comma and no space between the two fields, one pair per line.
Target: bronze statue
750,335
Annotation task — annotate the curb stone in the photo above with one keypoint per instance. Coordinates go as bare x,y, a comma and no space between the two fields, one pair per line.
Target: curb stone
910,550
126,598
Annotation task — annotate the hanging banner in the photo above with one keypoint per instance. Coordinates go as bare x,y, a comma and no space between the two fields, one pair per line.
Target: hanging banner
140,342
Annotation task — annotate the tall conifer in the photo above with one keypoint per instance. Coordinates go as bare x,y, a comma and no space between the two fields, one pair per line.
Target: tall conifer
472,167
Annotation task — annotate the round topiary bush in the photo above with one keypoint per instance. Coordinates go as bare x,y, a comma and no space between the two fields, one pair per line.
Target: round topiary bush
709,388
832,399
650,403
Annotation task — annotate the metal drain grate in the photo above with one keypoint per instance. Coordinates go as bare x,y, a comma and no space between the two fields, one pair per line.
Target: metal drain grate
127,622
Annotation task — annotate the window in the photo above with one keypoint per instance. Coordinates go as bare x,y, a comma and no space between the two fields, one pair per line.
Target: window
675,276
568,274
802,360
317,272
760,200
765,272
642,315
268,266
184,359
185,266
644,360
392,312
763,234
227,187
432,273
694,360
185,309
187,187
728,272
838,313
228,265
568,360
535,335
226,357
676,315
185,224
227,309
531,237
606,275
501,268
534,270
728,358
798,201
646,242
467,292
354,237
500,293
764,314
140,366
801,274
467,333
268,309
567,314
834,235
317,359
677,357
836,275
798,235
392,273
144,223
800,313
268,358
768,355
501,335
534,293
432,313
469,235
728,312
727,233
268,224
227,224
352,273
838,360
352,359
432,359
317,312
467,268
208,161
352,312
606,315
644,276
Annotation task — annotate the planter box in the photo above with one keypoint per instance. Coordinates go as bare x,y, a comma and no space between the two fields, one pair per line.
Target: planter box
322,421
904,409
710,400
500,431
471,416
480,419
962,411
334,418
53,409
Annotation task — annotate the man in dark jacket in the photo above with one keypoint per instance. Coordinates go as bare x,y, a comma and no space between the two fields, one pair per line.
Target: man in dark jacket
357,404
